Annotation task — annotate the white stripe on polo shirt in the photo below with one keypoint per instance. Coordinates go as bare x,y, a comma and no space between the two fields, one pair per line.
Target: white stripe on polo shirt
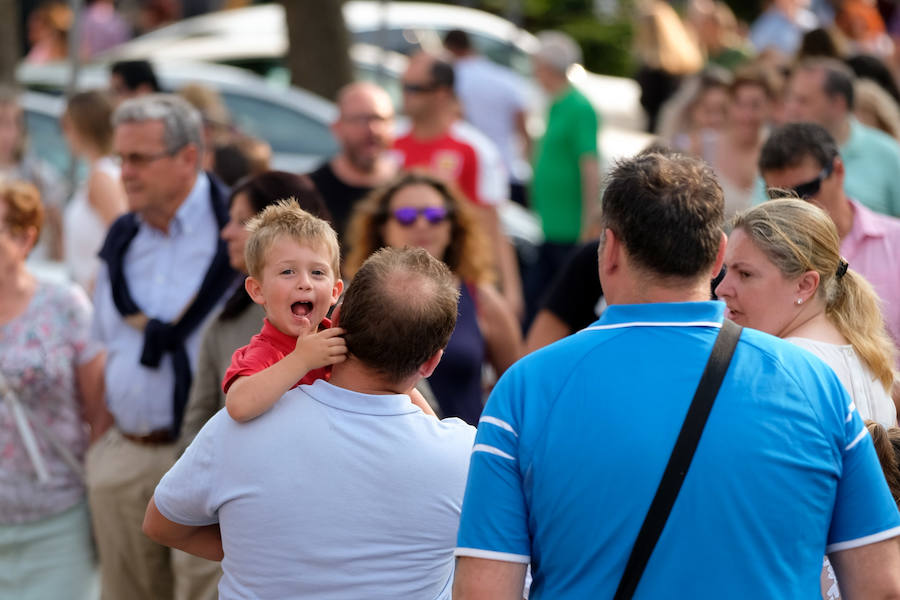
859,437
491,450
492,555
499,423
864,541
655,324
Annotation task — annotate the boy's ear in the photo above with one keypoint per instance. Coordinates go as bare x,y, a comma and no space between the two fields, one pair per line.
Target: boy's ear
254,288
335,291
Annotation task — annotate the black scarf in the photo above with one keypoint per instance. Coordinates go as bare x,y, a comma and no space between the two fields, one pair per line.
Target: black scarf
160,337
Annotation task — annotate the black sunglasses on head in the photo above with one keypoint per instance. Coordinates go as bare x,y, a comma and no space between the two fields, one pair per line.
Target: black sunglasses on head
811,188
419,88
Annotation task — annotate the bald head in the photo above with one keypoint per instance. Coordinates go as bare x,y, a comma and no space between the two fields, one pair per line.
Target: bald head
399,311
365,125
359,93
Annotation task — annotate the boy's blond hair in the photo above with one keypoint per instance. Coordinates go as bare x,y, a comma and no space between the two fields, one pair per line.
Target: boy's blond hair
286,218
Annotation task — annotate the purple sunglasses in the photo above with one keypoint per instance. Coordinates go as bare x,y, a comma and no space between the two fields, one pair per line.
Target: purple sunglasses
407,215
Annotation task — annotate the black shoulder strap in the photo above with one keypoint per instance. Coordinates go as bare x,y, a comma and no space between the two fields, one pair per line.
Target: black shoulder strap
680,460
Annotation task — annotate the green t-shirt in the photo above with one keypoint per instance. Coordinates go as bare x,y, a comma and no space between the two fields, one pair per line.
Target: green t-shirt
571,135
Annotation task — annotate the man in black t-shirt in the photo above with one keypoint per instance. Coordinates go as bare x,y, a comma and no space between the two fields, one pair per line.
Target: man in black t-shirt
573,301
365,131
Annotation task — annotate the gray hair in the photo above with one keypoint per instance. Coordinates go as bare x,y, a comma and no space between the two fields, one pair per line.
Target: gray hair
182,123
557,50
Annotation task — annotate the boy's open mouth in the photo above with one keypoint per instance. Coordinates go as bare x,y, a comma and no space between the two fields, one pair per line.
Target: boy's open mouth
301,309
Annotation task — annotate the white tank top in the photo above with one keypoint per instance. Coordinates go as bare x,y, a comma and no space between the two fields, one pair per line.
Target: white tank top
84,230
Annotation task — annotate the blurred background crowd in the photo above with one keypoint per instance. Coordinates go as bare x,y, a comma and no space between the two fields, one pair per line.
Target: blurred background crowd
508,134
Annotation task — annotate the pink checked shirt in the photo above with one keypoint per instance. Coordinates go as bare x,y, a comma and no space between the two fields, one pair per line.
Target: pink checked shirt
872,247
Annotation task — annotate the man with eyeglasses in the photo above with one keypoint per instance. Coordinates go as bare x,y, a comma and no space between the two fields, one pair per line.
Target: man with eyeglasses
441,142
164,271
821,91
804,158
364,131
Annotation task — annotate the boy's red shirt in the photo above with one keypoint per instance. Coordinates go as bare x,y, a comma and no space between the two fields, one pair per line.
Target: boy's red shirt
264,350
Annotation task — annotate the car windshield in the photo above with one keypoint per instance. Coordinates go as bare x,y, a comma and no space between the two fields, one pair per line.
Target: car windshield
286,130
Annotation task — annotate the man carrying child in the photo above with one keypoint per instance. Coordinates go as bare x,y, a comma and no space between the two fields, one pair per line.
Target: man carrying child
342,486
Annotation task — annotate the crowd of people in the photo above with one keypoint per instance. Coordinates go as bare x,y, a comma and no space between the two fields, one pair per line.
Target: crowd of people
351,383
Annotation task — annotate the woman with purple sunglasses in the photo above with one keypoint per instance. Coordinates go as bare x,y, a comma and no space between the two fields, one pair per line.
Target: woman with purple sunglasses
419,210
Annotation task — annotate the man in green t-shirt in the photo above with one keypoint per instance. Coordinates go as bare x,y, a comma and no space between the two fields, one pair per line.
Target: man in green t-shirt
566,184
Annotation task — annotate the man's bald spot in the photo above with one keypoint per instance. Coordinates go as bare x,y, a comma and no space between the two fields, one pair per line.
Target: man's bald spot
367,92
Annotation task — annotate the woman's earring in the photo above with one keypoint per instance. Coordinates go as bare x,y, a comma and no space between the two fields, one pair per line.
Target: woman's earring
799,301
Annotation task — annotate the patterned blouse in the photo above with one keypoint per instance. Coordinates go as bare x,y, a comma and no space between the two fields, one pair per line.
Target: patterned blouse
40,351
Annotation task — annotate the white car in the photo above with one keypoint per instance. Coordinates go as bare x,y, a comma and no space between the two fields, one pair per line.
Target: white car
256,38
293,121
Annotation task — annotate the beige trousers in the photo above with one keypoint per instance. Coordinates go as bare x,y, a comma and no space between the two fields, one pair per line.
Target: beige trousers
121,478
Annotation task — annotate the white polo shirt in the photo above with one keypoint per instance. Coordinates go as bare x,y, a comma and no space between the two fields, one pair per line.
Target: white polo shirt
330,494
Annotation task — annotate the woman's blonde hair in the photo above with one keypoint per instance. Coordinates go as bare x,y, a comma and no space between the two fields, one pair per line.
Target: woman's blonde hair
799,237
663,42
868,95
468,254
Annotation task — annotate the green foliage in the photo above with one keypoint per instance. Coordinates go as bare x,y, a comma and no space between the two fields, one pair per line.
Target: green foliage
606,46
746,10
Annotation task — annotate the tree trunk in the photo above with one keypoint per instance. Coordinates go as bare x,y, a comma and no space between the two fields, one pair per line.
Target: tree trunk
9,40
318,56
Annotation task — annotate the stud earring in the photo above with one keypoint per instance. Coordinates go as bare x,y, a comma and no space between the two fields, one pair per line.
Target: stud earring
799,301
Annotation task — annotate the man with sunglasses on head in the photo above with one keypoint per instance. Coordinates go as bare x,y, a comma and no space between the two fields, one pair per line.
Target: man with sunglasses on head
804,158
821,91
164,271
441,142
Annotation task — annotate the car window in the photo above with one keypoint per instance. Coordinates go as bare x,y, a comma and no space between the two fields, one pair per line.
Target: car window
407,41
387,81
286,130
404,41
46,141
502,52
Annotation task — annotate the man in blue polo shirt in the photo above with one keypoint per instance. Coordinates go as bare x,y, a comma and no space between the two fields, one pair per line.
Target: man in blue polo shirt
575,438
343,489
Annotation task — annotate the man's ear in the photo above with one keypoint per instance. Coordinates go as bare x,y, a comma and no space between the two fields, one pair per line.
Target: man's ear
254,289
335,291
720,256
608,252
428,367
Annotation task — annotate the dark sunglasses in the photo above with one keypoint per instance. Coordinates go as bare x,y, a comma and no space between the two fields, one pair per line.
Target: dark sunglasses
419,88
811,188
407,215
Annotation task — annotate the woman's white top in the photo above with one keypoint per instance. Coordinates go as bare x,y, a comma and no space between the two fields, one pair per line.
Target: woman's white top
872,400
83,229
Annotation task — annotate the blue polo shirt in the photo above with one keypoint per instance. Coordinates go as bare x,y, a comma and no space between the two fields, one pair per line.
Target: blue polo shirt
575,437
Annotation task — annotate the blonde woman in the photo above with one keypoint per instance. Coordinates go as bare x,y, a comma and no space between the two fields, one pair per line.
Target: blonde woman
785,276
666,51
87,126
876,108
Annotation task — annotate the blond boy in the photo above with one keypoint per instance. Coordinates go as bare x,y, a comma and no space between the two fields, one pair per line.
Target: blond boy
293,260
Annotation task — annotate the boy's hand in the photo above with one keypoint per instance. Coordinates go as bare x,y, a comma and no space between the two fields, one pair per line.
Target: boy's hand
321,349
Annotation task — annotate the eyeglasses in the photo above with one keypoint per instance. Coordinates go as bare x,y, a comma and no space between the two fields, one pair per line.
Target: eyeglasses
142,160
407,215
811,188
419,88
365,120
